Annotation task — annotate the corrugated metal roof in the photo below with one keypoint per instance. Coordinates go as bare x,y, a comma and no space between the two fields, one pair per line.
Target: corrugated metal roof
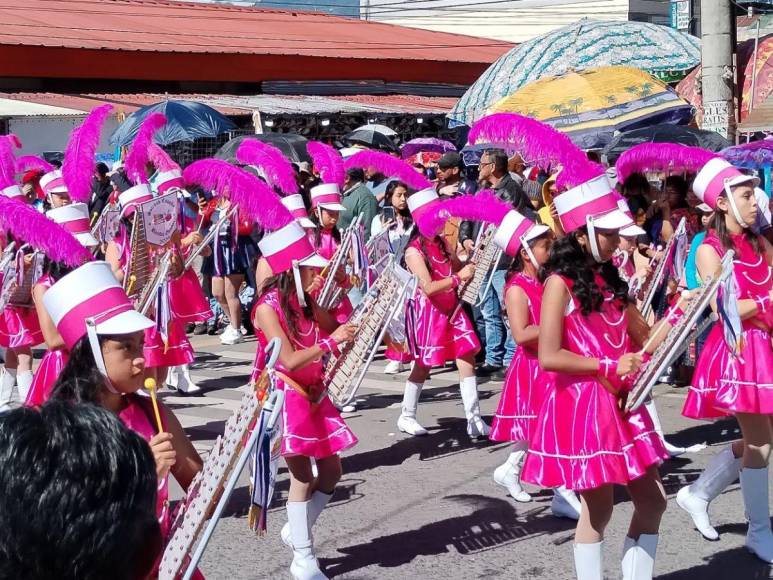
231,104
175,27
17,108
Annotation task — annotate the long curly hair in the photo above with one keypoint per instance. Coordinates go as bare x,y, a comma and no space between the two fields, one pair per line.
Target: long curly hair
569,259
284,284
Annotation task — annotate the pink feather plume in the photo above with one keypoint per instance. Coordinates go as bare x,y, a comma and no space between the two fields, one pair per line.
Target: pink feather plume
389,166
278,170
8,160
484,206
254,197
30,162
79,156
161,159
328,162
139,153
661,157
27,224
539,144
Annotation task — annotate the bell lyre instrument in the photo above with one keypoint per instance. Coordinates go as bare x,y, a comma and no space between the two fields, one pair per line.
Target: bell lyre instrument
485,256
332,293
196,252
345,371
678,336
660,272
139,268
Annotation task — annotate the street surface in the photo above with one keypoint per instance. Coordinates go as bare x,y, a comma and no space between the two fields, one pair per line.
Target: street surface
426,508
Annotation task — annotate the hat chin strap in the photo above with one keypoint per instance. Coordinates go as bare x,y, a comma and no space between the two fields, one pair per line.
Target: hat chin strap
298,285
96,350
594,247
527,249
734,208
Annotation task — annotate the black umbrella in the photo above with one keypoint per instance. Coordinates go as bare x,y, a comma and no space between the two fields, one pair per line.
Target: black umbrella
186,121
664,134
370,138
291,145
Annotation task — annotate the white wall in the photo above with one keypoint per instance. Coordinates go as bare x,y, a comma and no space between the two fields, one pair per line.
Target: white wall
41,134
515,21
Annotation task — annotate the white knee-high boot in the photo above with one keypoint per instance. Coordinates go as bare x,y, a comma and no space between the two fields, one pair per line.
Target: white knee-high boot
588,561
304,565
317,504
759,538
639,557
672,450
508,475
476,426
24,382
565,504
407,422
179,378
9,394
723,469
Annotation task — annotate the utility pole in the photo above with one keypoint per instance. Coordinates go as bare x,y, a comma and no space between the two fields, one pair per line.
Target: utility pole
717,22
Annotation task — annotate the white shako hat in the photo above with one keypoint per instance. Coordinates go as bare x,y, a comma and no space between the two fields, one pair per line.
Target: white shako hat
294,203
421,201
132,197
75,219
517,231
326,196
53,182
12,191
716,178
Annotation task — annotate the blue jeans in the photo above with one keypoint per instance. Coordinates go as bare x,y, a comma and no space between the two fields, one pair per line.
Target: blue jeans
499,343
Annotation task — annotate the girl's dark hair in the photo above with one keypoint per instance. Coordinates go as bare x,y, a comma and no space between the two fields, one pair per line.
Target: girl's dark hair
314,217
57,270
517,264
423,241
718,224
284,283
636,184
405,212
80,380
570,260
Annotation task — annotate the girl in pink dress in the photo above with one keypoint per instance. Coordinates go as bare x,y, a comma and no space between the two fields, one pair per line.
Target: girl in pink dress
440,331
588,337
313,428
525,383
104,336
736,381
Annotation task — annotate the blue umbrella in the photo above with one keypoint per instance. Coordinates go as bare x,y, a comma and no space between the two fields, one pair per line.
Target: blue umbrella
186,121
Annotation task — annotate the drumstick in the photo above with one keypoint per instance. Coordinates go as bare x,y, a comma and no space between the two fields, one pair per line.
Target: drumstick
150,385
684,297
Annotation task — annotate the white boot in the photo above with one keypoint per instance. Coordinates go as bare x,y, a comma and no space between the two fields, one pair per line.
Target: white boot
317,503
407,422
759,538
588,561
9,395
476,427
185,383
172,378
639,557
722,470
394,367
508,475
673,450
24,382
565,504
305,565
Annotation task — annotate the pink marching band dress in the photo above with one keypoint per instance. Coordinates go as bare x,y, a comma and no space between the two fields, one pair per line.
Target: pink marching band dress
433,336
526,384
178,349
186,296
311,428
581,438
19,327
48,371
724,384
327,247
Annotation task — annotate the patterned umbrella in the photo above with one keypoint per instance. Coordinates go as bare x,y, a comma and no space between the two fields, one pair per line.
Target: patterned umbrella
754,155
659,50
689,87
591,106
425,145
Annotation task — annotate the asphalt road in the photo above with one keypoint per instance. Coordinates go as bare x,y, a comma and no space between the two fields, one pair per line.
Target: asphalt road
427,507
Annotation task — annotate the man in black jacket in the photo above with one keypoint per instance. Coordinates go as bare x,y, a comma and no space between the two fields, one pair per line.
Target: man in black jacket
499,345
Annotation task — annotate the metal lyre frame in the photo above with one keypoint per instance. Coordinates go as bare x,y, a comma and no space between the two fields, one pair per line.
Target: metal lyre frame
210,236
328,293
660,271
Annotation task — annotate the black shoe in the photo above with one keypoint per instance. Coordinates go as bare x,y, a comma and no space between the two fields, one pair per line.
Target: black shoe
199,329
189,328
487,370
211,330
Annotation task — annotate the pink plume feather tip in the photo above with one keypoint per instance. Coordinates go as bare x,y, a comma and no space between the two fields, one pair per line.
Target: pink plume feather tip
253,196
390,167
8,160
32,162
79,156
328,162
27,224
278,170
539,144
139,153
484,206
661,157
161,159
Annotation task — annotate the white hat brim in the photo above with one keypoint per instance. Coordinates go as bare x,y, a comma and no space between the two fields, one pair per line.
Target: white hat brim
535,232
704,207
314,261
332,206
86,239
632,231
742,179
125,323
306,223
614,220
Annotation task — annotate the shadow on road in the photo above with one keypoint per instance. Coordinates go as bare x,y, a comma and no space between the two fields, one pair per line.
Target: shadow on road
736,563
492,524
